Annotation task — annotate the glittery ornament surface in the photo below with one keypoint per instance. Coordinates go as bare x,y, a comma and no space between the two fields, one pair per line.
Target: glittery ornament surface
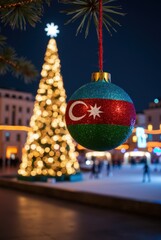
105,90
100,116
105,111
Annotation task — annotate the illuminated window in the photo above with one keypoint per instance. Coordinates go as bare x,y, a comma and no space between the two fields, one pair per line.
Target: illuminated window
150,127
150,137
134,138
7,135
10,151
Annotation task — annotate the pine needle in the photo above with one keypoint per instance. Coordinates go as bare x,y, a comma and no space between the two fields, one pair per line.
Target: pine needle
86,10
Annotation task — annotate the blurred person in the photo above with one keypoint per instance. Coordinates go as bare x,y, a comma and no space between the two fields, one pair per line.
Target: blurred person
108,167
95,168
146,172
100,166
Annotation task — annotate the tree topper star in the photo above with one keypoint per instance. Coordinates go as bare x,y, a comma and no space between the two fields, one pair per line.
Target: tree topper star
52,30
95,111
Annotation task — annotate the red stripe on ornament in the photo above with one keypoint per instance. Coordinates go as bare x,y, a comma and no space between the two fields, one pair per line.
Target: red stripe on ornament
105,111
100,111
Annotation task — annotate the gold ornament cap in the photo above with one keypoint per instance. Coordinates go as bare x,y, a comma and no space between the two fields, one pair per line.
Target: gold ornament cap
101,76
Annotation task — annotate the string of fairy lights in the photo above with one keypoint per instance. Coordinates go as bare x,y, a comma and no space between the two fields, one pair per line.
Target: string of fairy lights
20,3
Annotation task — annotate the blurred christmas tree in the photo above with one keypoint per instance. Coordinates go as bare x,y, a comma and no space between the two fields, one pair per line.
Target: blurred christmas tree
49,150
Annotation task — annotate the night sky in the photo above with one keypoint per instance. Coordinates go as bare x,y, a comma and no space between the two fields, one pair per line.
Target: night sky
132,55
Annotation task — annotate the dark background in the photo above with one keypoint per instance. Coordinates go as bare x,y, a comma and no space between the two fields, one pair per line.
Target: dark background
132,55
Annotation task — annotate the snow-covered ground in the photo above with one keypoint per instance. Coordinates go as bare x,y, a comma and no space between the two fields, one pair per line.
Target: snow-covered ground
124,182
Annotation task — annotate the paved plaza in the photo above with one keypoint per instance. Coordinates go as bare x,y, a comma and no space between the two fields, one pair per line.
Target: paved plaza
28,216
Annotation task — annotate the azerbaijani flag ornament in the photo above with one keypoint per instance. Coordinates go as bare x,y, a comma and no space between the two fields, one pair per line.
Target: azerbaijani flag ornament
100,115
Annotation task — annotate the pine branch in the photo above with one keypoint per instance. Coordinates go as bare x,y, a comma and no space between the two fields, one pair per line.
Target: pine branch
17,14
19,67
86,10
2,41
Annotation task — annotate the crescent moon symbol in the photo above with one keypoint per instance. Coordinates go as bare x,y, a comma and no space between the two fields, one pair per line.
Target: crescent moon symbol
72,117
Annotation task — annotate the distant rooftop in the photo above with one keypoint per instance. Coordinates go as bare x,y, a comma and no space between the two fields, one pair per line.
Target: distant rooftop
14,94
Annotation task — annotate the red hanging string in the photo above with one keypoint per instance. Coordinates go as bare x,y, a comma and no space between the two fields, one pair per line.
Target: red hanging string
100,37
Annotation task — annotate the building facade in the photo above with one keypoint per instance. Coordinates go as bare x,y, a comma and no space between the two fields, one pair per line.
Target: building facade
153,119
16,109
15,112
145,141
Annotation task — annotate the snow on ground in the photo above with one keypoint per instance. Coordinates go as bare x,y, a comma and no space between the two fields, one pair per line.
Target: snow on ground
123,182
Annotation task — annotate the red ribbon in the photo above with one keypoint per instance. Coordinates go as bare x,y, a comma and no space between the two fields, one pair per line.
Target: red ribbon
100,37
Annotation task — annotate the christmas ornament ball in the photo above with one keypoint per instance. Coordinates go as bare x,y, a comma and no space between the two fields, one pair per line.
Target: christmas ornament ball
100,116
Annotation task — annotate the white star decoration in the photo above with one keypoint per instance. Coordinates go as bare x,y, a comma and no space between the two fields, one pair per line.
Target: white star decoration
95,111
52,30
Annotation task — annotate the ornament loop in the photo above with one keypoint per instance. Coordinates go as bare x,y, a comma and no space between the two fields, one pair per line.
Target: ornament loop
101,76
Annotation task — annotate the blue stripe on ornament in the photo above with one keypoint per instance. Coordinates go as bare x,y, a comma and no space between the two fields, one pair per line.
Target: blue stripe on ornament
103,90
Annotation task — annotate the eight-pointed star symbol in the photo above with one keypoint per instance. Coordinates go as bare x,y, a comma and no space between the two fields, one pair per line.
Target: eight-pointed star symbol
95,111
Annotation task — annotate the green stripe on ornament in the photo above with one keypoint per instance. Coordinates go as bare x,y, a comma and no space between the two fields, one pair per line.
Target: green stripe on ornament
100,137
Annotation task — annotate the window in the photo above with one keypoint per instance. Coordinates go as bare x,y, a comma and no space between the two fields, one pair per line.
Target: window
149,119
150,127
13,114
20,109
27,98
7,107
13,96
28,110
7,95
6,121
18,137
27,122
150,137
20,121
7,135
